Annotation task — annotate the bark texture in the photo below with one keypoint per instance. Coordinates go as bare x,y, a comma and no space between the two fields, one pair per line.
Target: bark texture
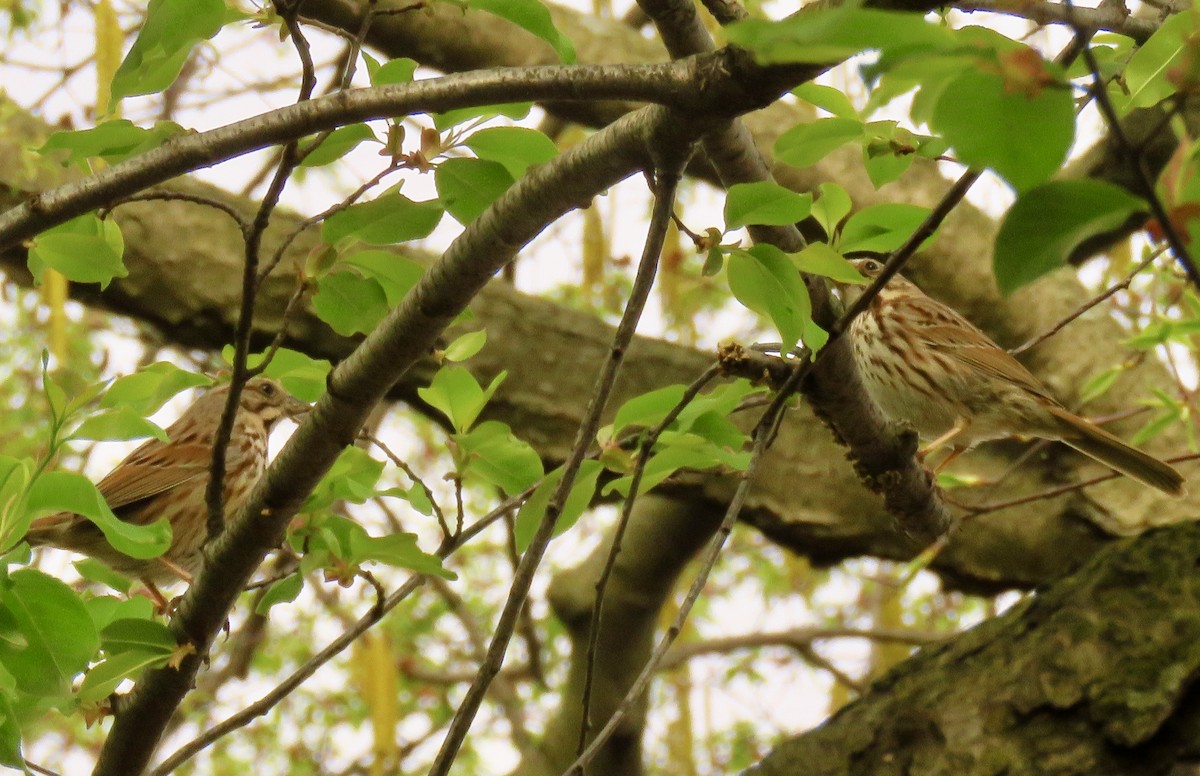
1096,675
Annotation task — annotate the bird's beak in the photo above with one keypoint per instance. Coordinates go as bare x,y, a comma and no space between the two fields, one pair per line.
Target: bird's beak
295,409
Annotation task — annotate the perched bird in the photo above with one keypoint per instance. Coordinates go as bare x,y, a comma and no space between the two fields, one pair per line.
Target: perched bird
926,365
168,480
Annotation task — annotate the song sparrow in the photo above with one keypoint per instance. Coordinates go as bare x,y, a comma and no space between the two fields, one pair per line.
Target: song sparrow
168,480
925,364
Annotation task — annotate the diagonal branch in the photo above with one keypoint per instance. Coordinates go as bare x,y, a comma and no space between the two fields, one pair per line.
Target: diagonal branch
671,151
733,84
359,383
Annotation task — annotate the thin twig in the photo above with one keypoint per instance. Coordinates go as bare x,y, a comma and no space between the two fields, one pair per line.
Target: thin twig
664,193
996,506
634,694
1123,284
302,673
242,222
1141,177
215,490
412,475
647,445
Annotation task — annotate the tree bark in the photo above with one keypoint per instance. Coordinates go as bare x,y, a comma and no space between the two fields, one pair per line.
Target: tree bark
1096,675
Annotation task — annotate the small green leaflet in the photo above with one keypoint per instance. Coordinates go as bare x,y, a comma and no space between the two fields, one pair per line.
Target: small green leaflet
517,148
806,144
85,249
55,492
533,511
764,202
388,219
1048,223
457,394
171,30
494,454
349,303
146,390
337,144
46,635
466,187
535,18
113,141
764,279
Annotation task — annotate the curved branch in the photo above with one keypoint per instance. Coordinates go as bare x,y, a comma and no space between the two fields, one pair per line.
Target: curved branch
356,386
733,84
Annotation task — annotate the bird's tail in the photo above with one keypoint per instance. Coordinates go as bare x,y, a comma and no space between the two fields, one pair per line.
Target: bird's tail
1095,442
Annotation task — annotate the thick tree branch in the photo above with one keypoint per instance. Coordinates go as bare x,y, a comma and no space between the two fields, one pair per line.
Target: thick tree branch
1101,668
732,85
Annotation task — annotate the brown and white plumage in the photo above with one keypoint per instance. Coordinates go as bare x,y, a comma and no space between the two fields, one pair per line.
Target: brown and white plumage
168,480
925,364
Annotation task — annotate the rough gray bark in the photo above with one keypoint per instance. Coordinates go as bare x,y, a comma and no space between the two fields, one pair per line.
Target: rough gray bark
1095,676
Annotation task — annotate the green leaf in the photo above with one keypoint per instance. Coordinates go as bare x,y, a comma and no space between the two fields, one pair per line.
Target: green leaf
721,400
881,228
352,478
533,17
457,395
1146,74
1155,427
54,492
46,635
820,259
826,98
85,249
648,409
517,148
833,34
118,423
764,279
678,452
113,141
388,219
1098,385
394,71
1048,223
399,550
282,592
513,110
337,144
396,274
15,475
303,376
806,144
171,30
890,149
105,609
466,187
104,678
832,206
1024,139
348,303
137,634
719,430
764,202
495,455
466,346
146,390
534,508
10,735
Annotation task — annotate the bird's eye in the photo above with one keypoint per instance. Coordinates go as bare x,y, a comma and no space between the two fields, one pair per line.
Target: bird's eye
268,389
872,266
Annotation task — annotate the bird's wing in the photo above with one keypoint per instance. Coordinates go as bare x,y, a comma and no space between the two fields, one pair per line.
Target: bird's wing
152,469
954,335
